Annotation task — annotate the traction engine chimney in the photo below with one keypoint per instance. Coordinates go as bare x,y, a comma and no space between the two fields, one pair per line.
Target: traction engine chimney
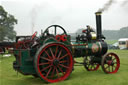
98,25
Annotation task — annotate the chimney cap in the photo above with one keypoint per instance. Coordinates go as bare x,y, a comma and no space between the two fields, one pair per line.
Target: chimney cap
98,13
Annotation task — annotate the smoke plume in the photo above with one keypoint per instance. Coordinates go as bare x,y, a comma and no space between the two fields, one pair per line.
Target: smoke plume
106,6
56,19
33,18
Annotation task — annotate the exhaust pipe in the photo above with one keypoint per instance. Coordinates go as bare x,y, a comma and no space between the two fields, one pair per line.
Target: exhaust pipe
98,25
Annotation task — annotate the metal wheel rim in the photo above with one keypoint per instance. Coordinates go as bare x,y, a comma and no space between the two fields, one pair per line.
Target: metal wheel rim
110,66
54,73
88,66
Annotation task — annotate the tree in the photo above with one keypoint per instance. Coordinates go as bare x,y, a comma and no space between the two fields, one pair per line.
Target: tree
123,33
7,22
111,34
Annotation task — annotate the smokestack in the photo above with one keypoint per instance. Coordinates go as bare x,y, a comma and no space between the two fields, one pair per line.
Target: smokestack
98,25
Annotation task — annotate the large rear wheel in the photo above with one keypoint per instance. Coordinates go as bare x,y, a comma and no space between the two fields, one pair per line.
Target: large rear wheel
54,62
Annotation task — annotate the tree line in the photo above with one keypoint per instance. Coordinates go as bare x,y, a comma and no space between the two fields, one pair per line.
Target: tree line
109,34
116,34
7,22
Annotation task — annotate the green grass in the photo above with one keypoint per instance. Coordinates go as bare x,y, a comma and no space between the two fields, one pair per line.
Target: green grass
79,76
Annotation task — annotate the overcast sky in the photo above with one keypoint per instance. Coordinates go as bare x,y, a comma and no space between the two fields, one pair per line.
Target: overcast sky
70,14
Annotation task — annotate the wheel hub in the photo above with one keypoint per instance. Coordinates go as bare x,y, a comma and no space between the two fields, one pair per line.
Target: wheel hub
110,63
55,67
55,62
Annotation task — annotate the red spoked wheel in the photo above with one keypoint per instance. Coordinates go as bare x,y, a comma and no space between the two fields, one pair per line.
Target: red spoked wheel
54,62
89,64
110,63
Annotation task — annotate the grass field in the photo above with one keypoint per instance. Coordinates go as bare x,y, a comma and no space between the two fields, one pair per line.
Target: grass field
78,77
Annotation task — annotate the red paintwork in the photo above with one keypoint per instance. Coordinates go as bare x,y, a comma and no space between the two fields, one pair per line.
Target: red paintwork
1,50
112,61
24,43
50,60
58,38
61,38
84,31
64,38
94,69
34,35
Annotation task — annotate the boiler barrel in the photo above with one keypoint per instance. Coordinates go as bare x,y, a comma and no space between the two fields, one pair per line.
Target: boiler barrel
91,49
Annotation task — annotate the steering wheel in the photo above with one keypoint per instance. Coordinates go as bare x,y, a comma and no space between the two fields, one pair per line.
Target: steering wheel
55,29
34,35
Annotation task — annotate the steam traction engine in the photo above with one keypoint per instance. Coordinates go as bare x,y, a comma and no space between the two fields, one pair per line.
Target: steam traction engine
51,56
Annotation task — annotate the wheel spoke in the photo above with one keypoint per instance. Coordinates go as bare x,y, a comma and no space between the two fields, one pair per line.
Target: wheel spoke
55,30
114,59
91,66
45,58
59,54
112,69
115,62
63,61
45,68
64,66
43,63
114,66
53,72
97,65
48,54
109,68
63,56
60,70
52,53
57,73
94,66
48,72
56,51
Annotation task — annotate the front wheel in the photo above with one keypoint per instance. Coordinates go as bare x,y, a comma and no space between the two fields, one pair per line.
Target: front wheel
53,62
110,63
